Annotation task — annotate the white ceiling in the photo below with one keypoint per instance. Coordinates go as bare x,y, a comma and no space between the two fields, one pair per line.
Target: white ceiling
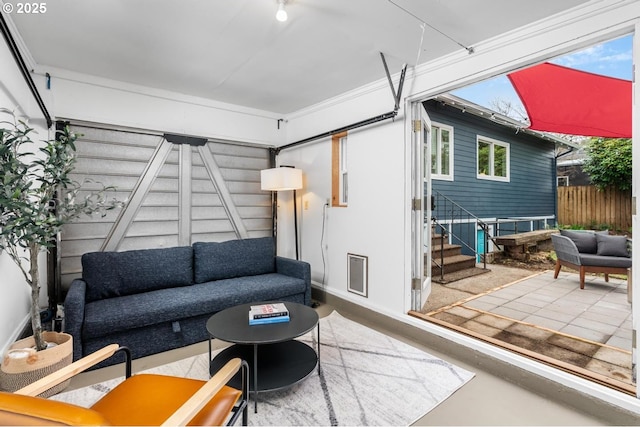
235,51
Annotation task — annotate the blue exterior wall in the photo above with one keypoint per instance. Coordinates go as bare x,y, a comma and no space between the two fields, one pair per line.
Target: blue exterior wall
531,190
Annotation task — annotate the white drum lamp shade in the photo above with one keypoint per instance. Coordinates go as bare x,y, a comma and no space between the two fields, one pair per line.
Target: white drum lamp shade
282,178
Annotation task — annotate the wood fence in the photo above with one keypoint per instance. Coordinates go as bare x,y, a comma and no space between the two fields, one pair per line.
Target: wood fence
590,208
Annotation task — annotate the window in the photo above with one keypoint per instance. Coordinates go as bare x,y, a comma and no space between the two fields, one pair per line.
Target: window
339,173
441,152
563,181
493,159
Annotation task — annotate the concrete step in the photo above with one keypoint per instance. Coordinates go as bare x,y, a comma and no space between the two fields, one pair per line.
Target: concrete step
435,238
447,249
459,275
453,263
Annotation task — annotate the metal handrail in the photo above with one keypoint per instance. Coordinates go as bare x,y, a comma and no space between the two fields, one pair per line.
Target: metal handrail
457,216
456,213
442,237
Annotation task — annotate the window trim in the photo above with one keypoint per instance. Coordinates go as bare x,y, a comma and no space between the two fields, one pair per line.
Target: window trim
339,170
493,142
439,127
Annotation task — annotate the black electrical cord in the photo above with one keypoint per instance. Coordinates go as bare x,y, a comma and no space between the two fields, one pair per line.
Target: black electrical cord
324,218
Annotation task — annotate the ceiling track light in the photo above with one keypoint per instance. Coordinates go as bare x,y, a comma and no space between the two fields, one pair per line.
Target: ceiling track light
281,14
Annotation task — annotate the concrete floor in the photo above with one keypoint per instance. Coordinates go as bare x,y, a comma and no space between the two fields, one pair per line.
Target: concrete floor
497,395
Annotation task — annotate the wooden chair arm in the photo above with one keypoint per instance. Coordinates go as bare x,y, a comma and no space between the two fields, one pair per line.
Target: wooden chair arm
67,372
192,407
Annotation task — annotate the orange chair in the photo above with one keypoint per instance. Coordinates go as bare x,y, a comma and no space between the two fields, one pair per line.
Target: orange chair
142,399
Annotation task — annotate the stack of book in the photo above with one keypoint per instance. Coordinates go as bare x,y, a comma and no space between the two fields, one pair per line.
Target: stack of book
268,313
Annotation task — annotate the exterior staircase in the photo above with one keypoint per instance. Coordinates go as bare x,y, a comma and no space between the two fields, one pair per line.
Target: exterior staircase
448,264
455,265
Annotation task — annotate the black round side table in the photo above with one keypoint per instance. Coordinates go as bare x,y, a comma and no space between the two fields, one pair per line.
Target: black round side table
276,360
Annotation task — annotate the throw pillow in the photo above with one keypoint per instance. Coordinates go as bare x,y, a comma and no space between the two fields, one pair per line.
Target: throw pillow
585,240
612,245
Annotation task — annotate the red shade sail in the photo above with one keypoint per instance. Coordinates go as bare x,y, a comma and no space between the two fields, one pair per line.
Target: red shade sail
564,100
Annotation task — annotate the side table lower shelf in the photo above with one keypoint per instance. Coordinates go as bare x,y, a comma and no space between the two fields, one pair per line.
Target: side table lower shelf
280,365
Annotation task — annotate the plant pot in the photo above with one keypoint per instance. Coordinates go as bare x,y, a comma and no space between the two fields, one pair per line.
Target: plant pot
22,365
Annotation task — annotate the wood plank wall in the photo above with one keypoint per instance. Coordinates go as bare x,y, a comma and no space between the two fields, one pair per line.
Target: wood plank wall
590,208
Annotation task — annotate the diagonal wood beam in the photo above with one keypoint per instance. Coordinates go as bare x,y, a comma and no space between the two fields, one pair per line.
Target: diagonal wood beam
223,192
126,216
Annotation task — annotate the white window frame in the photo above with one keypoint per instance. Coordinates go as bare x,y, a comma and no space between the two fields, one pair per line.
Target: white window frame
492,143
437,130
562,181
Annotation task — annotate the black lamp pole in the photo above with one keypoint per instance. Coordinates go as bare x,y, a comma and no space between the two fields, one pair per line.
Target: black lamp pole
295,220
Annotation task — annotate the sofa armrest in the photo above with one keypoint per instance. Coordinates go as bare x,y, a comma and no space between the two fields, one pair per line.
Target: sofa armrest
299,269
74,305
565,249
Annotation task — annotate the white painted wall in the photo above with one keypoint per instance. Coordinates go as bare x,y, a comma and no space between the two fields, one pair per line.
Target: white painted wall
373,223
94,99
15,301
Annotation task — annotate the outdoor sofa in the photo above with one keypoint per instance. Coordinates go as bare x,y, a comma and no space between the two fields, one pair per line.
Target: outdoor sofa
591,252
154,300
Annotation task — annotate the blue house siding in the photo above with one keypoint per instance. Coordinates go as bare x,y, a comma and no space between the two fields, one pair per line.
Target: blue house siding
531,190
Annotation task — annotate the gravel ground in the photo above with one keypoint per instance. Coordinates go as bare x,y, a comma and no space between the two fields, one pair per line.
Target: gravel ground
505,272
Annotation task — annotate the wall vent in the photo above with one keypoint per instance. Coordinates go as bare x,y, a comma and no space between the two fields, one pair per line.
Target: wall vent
357,274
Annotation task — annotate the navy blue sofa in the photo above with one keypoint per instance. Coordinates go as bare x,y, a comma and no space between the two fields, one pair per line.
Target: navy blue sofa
154,300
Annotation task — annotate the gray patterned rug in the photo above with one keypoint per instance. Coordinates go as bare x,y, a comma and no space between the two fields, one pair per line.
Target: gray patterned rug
367,378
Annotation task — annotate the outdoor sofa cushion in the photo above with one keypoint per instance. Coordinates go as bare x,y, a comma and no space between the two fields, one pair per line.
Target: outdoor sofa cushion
585,240
593,260
114,274
615,246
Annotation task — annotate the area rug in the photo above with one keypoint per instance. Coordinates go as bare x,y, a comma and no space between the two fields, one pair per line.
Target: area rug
366,378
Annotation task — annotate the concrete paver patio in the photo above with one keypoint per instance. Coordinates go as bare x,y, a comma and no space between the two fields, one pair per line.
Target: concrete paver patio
588,329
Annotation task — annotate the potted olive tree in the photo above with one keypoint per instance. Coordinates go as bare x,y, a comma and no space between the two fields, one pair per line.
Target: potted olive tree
37,197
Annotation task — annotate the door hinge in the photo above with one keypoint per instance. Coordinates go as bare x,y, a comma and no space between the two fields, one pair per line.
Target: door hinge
417,125
416,204
416,283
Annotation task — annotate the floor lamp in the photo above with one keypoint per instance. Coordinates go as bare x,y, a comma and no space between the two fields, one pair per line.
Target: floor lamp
284,178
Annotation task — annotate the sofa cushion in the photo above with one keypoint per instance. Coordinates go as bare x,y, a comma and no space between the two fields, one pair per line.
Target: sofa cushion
585,241
612,245
105,317
113,274
234,258
605,261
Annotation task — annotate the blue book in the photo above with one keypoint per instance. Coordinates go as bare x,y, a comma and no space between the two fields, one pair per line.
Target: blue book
267,320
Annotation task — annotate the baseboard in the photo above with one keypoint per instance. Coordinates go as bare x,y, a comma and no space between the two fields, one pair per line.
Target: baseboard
22,331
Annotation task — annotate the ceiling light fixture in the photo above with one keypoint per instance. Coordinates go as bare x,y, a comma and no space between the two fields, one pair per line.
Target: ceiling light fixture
281,14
